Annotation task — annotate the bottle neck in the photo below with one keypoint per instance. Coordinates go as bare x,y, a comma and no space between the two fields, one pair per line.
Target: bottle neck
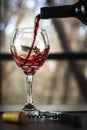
78,10
57,12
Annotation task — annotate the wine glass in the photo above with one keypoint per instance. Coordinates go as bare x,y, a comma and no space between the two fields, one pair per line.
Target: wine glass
29,51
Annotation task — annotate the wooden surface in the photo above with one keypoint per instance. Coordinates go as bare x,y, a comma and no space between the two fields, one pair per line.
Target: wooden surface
45,124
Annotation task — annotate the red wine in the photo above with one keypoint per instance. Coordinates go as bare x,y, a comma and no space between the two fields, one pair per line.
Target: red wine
37,19
33,62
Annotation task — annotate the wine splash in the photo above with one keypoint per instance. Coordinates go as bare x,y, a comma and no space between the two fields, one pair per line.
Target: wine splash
33,62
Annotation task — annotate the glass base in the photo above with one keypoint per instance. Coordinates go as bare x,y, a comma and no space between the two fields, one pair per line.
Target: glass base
30,110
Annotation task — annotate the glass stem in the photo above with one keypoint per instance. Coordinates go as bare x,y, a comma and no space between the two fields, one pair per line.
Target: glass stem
29,89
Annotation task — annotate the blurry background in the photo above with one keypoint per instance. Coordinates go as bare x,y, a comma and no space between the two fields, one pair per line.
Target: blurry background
58,81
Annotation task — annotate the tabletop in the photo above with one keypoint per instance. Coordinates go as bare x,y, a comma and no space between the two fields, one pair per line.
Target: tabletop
47,124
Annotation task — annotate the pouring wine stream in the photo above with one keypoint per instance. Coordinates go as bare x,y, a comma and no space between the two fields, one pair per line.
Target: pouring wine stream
36,26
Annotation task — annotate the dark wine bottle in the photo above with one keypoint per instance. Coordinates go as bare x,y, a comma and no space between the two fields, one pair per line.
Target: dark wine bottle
77,10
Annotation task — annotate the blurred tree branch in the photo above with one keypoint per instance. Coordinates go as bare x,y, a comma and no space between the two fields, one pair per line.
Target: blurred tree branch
74,67
5,14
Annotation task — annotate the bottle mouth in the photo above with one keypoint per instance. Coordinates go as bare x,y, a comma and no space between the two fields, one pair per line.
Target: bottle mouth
44,13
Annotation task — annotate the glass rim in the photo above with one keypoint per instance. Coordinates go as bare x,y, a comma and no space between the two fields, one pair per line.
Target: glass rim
31,30
27,28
